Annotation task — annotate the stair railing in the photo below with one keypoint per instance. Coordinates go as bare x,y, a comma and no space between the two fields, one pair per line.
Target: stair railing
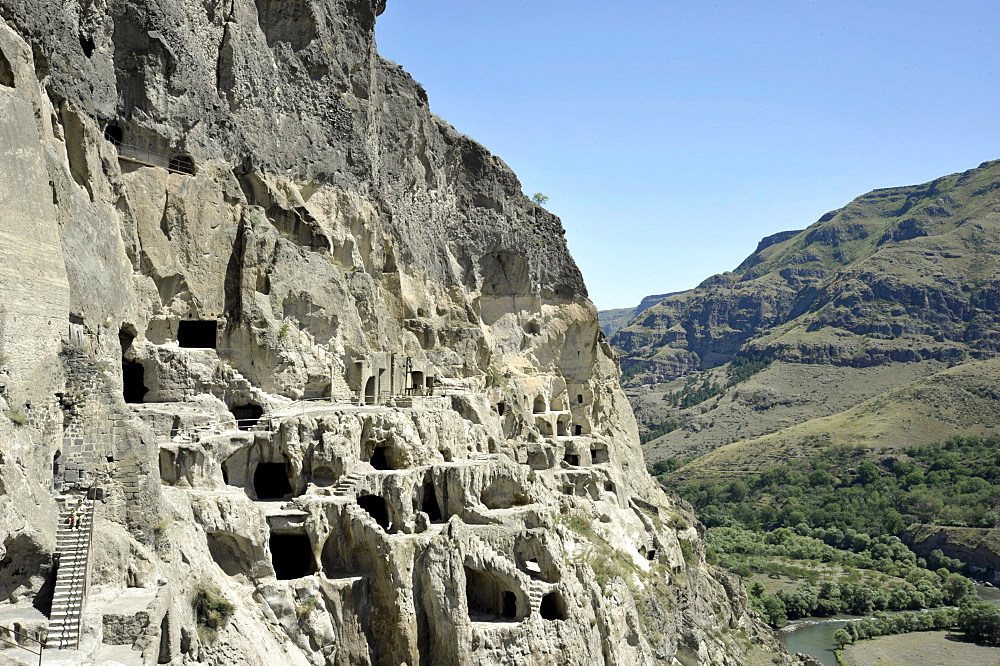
18,634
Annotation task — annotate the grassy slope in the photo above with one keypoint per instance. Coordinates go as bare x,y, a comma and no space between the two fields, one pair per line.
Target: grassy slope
958,400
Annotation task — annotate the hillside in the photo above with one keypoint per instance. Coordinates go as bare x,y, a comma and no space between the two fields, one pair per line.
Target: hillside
893,296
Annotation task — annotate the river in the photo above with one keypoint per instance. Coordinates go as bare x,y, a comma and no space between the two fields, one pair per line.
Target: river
815,637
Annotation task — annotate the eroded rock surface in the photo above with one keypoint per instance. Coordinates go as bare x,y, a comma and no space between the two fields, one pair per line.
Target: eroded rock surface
334,377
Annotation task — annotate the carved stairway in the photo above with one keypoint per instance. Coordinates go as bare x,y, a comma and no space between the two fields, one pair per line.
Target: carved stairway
347,485
73,547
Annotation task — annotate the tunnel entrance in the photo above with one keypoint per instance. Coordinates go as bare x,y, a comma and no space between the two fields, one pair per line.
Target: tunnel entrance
379,459
375,507
429,503
247,415
270,481
197,333
133,382
181,164
487,599
553,607
370,391
114,134
291,555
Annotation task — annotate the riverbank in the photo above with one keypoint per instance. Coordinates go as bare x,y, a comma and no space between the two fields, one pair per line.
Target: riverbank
922,648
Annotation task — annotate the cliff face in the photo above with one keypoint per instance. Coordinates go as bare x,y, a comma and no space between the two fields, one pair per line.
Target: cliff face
318,356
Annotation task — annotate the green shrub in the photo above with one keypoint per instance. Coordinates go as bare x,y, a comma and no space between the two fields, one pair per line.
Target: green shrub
17,416
211,609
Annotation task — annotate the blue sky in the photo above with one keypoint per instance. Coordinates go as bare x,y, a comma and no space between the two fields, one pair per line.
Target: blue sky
672,135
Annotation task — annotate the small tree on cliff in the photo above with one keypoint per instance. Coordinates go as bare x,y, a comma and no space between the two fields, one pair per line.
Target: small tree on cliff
539,198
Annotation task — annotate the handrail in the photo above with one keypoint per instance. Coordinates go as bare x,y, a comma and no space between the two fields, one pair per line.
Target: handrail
41,645
150,157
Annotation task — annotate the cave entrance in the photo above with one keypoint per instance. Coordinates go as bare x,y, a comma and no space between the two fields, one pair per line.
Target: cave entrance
561,427
501,407
380,458
599,456
370,391
115,135
417,380
181,164
553,607
197,333
6,72
230,552
375,507
539,406
572,459
247,415
577,430
133,382
270,481
428,503
291,555
487,599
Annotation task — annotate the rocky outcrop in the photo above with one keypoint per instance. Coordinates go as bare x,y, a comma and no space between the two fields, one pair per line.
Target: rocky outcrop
333,377
898,275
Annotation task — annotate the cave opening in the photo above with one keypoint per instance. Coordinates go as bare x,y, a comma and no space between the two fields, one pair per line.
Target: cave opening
579,398
380,458
561,428
270,481
114,134
599,456
134,389
501,407
577,430
247,415
429,503
553,607
6,72
487,599
370,391
197,333
181,164
375,507
230,552
87,45
291,556
572,459
539,406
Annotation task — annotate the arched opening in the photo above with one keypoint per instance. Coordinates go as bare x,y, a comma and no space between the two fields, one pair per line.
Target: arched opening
375,507
428,502
181,164
133,382
270,481
561,427
572,459
291,556
230,552
553,607
370,391
323,476
247,415
487,600
501,408
56,467
380,459
115,135
197,333
539,406
503,493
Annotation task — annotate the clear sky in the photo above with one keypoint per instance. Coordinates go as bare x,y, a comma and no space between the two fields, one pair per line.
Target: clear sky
671,135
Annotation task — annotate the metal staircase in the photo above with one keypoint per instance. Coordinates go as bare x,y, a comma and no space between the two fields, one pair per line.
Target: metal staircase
73,542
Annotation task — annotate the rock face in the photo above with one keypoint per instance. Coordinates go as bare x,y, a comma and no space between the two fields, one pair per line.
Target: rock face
333,377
